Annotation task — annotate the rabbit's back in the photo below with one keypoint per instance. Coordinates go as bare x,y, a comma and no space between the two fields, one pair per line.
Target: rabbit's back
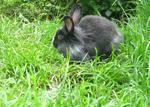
97,24
98,32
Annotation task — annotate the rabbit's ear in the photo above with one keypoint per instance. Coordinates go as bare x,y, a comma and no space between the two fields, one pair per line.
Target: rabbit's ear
69,25
76,13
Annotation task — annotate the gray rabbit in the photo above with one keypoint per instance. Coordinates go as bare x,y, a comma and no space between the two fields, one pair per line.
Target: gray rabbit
84,38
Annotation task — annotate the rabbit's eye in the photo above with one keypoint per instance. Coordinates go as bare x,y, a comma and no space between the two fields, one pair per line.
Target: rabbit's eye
60,37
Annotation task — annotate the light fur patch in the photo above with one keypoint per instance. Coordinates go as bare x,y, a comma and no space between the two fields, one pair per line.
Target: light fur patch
77,50
117,38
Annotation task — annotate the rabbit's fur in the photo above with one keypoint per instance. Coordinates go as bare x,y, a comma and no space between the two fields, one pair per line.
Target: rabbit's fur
83,38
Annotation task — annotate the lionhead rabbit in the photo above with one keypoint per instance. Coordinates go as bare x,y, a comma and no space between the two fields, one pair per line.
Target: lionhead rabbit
84,38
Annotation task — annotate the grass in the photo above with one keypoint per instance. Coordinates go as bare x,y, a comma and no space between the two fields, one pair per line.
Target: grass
33,73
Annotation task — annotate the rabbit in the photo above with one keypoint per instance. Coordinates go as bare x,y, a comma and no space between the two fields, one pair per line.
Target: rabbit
83,38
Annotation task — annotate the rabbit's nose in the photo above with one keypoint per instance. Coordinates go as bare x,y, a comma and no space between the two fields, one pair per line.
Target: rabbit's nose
55,44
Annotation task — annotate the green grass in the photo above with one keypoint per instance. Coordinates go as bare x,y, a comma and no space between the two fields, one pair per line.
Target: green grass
33,73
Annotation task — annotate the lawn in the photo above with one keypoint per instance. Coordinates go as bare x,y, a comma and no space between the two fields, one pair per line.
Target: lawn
34,74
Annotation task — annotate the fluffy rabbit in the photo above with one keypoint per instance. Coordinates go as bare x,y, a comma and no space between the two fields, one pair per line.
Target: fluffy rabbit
84,38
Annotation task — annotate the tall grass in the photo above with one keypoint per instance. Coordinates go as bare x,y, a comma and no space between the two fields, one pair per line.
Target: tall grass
33,73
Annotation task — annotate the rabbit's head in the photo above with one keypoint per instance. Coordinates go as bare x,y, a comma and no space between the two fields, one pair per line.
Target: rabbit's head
65,36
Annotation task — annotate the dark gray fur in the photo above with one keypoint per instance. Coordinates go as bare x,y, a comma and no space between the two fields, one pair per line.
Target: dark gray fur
90,34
